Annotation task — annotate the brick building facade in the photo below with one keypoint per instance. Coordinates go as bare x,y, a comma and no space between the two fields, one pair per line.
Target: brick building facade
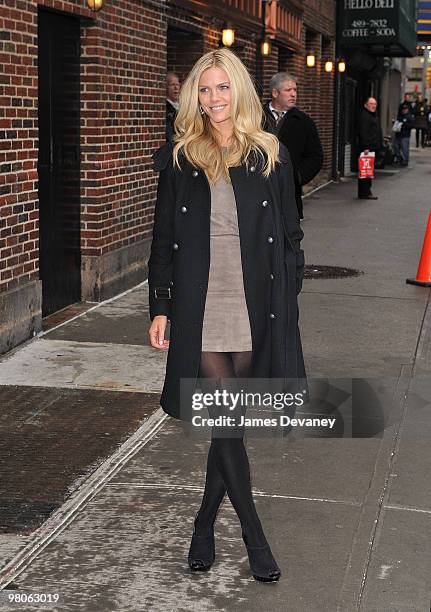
82,109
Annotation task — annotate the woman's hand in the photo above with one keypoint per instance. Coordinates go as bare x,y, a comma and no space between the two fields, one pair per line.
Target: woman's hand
157,332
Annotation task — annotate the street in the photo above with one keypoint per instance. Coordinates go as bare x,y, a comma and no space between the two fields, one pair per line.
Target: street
101,487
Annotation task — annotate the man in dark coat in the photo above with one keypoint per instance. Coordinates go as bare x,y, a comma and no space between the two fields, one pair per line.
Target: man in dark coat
370,138
272,261
402,138
172,94
295,129
406,102
421,112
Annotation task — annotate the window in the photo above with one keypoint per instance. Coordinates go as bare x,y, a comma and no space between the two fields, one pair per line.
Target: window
416,74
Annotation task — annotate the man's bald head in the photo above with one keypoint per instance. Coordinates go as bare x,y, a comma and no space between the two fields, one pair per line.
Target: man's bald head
371,104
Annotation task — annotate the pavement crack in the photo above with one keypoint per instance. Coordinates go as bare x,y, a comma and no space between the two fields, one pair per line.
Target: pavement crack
421,347
407,508
256,492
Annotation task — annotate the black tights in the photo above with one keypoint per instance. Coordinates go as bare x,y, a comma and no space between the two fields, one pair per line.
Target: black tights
227,466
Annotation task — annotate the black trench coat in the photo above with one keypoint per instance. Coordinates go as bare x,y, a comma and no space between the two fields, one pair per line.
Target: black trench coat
298,132
272,262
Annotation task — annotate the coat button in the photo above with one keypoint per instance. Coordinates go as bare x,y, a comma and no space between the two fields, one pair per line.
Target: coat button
252,168
195,173
264,203
272,315
183,209
271,276
175,246
270,239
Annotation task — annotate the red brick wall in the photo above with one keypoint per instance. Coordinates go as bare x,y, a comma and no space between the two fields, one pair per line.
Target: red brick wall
270,67
319,15
182,52
309,99
18,152
124,59
122,122
327,102
315,86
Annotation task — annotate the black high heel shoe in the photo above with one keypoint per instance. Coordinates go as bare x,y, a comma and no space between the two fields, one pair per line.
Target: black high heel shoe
262,563
202,551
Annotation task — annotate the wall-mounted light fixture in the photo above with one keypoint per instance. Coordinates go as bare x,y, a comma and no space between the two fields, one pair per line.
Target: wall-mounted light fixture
341,66
228,36
265,47
311,60
329,66
95,5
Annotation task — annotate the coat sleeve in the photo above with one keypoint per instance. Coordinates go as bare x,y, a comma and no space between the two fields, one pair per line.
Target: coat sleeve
169,129
311,159
160,263
289,211
363,133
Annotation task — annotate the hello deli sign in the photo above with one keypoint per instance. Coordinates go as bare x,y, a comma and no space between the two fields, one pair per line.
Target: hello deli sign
378,22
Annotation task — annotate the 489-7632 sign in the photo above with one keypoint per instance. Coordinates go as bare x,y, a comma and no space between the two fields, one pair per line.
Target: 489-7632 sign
377,22
363,28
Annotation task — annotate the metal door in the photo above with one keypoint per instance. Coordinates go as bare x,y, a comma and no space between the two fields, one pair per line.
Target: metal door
59,160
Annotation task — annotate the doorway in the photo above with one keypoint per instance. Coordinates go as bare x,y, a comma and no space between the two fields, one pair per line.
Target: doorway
352,106
59,160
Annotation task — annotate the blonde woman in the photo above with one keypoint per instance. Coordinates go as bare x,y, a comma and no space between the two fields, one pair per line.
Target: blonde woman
225,268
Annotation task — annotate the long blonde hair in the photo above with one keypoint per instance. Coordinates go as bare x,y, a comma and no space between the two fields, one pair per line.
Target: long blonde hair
194,133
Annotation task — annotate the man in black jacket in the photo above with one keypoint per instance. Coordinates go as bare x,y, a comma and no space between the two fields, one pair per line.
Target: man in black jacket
172,95
370,138
406,102
421,112
295,129
402,138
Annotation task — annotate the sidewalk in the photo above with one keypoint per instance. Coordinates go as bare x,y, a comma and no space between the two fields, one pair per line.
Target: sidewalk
349,520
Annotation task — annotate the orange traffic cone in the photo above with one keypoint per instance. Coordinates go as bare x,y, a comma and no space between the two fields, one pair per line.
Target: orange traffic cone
423,276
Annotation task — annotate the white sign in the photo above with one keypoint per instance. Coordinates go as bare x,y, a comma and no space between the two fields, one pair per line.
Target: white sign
368,4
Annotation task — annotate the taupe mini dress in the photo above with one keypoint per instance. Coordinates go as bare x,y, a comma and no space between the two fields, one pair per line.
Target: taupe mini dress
226,325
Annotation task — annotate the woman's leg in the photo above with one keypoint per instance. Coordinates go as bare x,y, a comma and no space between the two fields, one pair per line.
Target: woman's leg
213,366
217,366
242,363
228,470
232,461
228,466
